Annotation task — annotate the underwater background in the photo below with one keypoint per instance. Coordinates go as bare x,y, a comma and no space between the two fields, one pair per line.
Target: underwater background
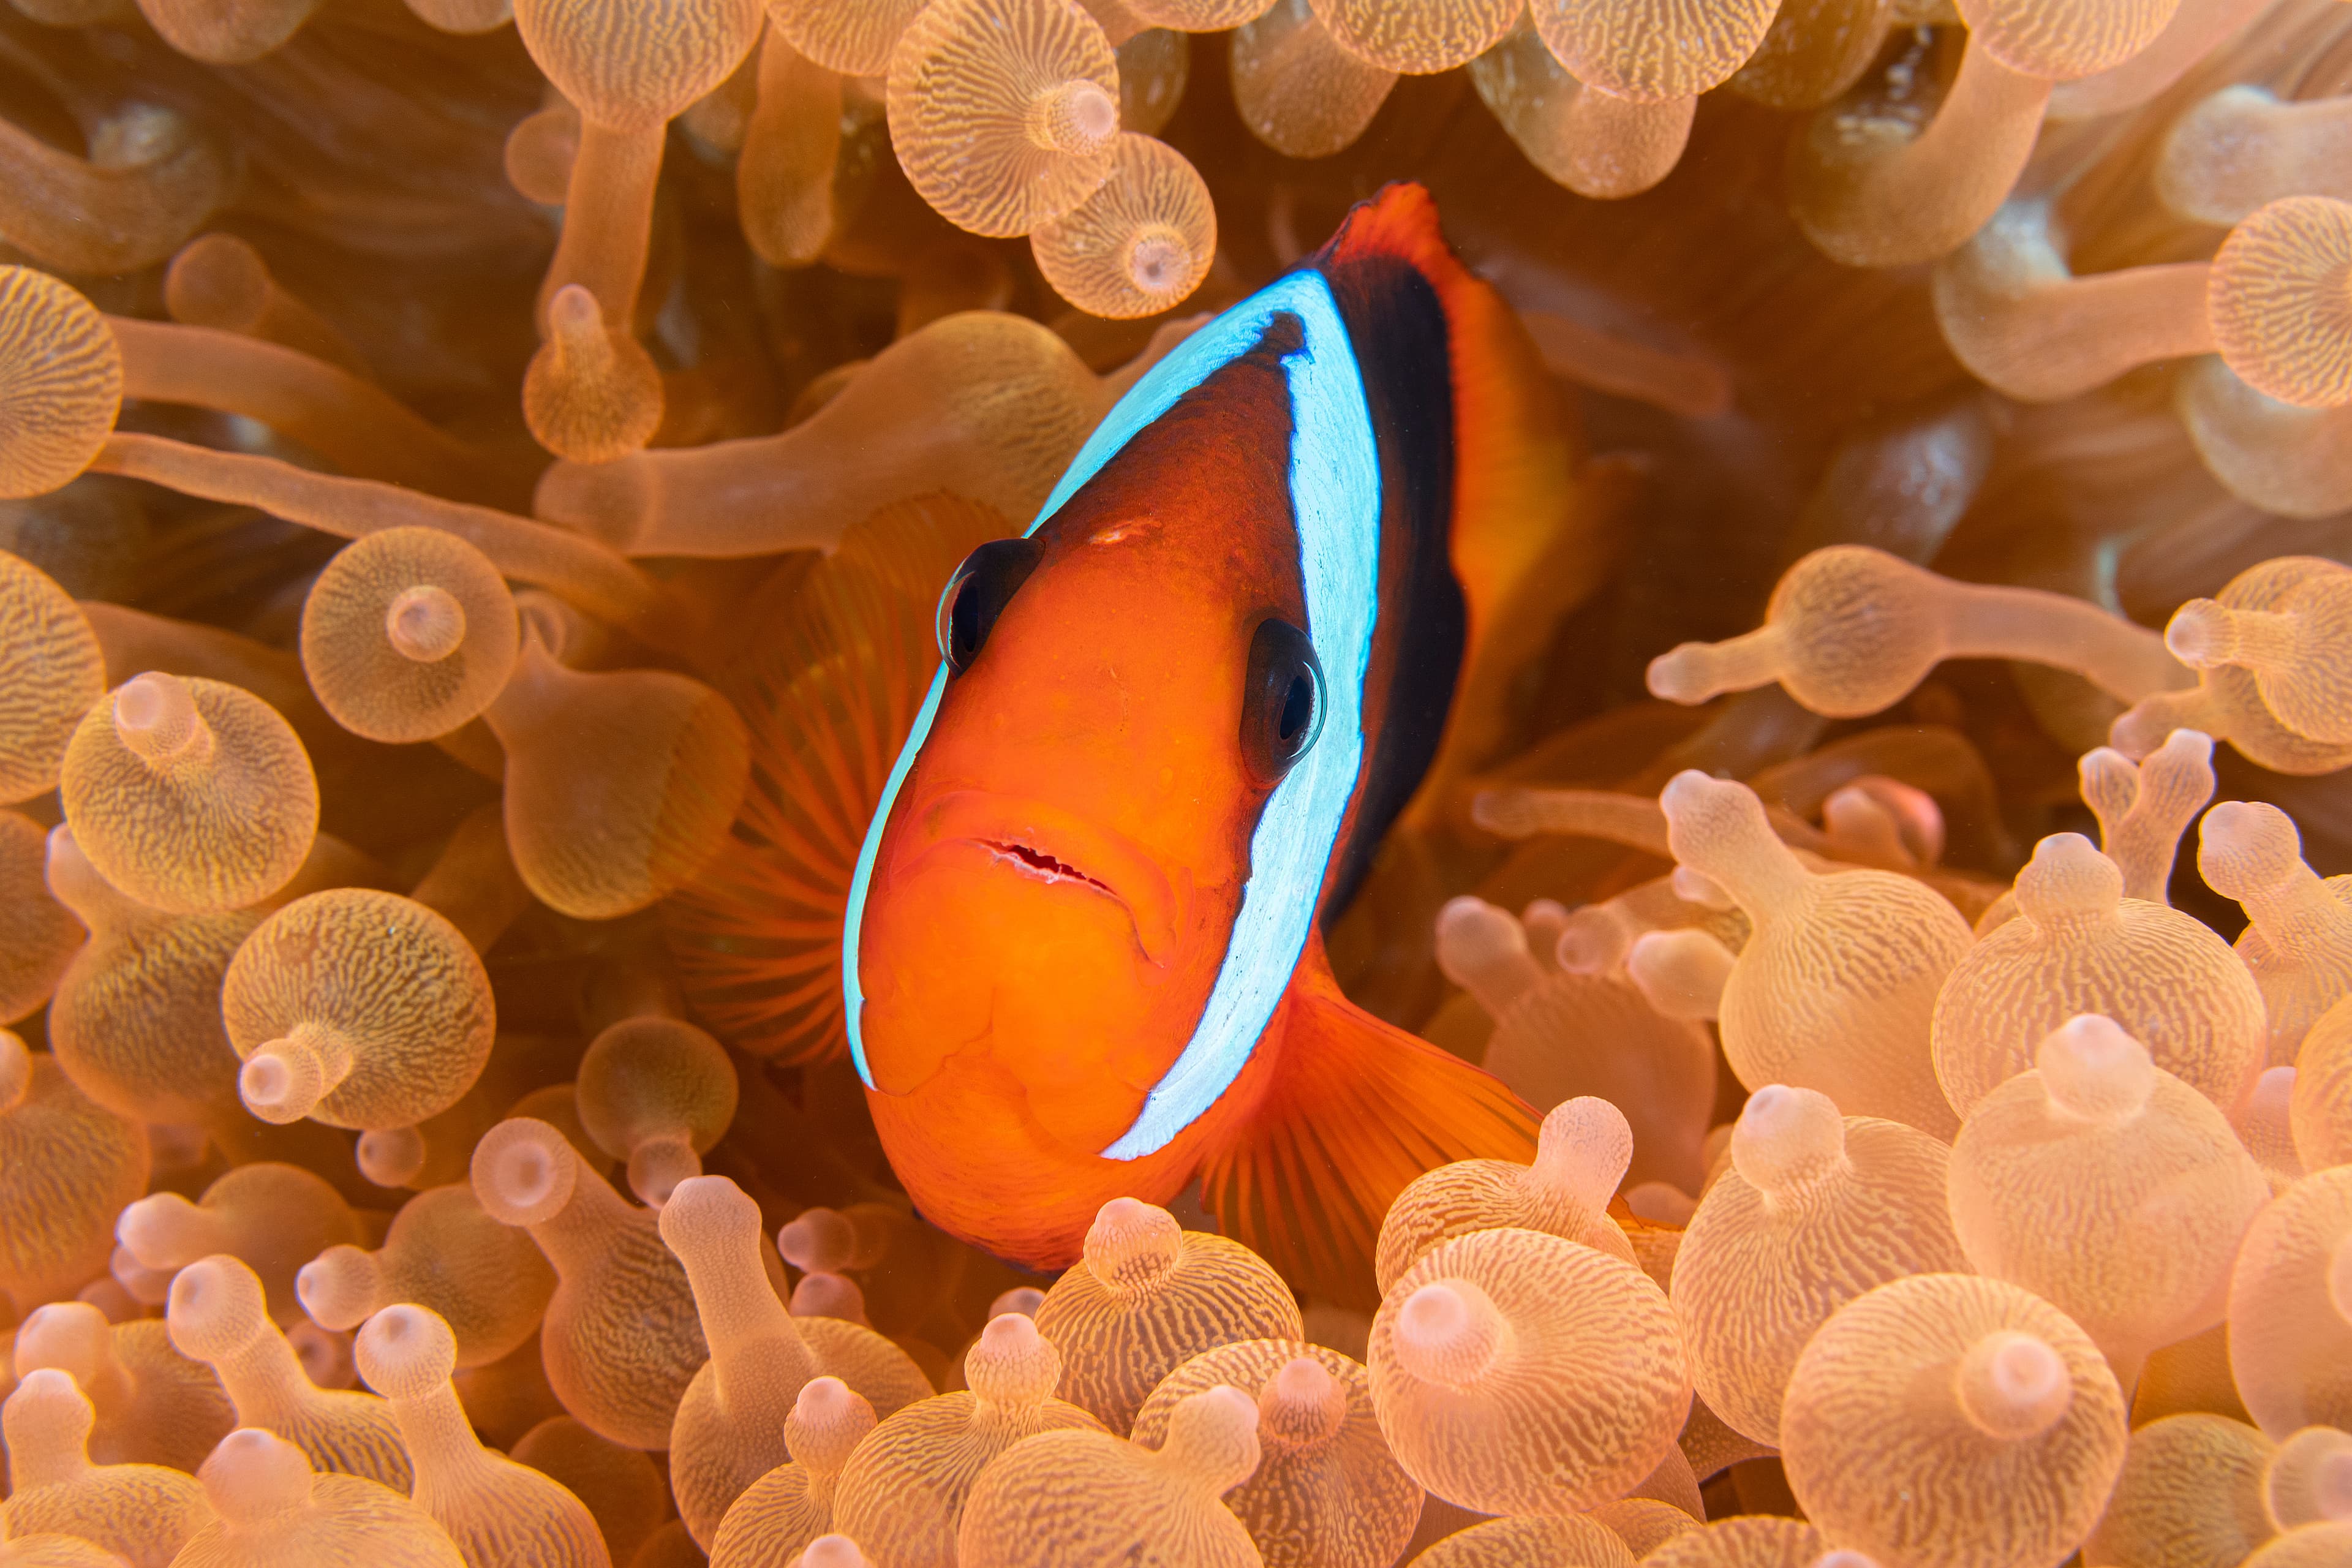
705,858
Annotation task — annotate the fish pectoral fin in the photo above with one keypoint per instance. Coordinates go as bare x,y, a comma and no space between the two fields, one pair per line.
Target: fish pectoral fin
1355,1109
828,678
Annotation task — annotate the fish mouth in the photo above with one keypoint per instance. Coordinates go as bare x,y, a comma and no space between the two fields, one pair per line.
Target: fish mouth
1060,849
1037,863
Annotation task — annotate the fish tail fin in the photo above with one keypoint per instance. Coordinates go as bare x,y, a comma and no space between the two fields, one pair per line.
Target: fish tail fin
1354,1108
828,693
1536,528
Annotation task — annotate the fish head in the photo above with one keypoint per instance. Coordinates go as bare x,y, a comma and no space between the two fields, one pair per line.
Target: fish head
1052,892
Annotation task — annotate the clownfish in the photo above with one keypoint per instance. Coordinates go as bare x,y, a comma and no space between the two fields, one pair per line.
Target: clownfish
1079,950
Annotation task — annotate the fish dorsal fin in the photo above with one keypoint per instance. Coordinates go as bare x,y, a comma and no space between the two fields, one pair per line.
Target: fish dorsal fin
828,696
1355,1109
1401,221
1534,533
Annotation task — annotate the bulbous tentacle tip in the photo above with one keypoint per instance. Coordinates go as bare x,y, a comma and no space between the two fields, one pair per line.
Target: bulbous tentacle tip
1692,792
2202,634
1011,1362
2063,43
158,1230
1474,929
1483,950
252,1473
339,1288
659,1167
2277,296
1075,116
426,623
2091,1067
215,1307
2309,1479
1718,828
1212,1439
1591,943
2149,725
1786,1136
60,383
2068,877
2247,848
1003,117
156,719
1681,973
1132,1245
592,393
72,1336
391,1156
523,1172
2012,1385
821,1295
47,1414
707,1213
1448,1331
2110,781
227,34
817,1240
1584,1146
828,1420
1139,245
408,634
217,280
832,1551
1302,1405
283,1081
1684,674
2186,749
406,1352
1021,1301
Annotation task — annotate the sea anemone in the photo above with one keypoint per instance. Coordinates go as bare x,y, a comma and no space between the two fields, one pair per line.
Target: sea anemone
488,489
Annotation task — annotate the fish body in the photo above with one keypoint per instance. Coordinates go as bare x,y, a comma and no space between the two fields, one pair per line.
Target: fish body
1081,951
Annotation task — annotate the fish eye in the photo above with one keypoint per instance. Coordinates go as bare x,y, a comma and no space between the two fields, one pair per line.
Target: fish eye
1282,700
977,594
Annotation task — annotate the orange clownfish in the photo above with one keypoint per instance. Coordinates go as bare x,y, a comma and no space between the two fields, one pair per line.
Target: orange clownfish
1080,950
